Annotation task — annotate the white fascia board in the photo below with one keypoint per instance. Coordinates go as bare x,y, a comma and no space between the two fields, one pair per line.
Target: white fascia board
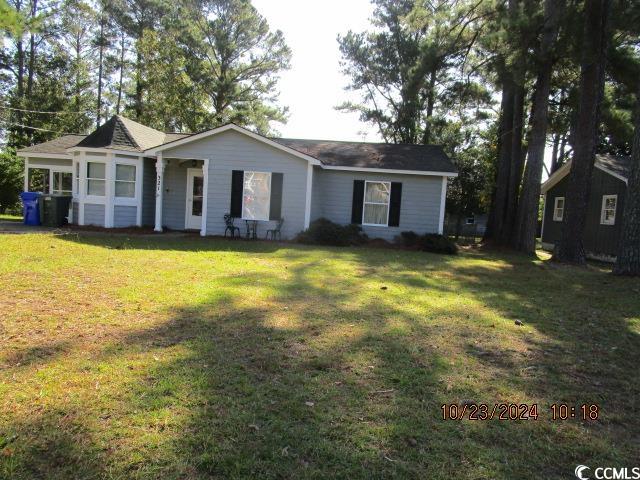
62,156
104,150
235,128
558,175
390,170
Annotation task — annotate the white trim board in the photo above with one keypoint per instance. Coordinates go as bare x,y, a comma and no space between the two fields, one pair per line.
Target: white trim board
235,128
390,170
564,170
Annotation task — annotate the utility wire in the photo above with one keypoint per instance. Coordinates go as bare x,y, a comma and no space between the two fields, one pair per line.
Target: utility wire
35,128
39,111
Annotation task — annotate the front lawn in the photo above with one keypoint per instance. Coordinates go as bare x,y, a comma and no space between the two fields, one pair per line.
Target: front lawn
200,358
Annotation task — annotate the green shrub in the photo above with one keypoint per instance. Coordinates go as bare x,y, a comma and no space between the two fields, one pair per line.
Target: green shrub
409,239
325,232
430,242
433,242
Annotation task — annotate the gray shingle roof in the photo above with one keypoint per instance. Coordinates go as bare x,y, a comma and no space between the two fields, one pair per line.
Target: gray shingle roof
120,133
618,164
374,155
57,145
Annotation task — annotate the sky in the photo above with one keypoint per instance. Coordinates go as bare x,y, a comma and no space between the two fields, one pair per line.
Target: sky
315,85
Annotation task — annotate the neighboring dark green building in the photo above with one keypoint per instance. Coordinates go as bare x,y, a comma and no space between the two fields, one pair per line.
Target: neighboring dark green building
604,212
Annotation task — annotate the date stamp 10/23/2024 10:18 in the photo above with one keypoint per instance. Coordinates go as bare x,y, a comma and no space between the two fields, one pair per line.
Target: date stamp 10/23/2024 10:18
519,411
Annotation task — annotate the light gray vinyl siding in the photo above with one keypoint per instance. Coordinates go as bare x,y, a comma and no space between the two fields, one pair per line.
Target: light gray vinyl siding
124,216
316,195
419,211
149,192
94,214
230,151
174,195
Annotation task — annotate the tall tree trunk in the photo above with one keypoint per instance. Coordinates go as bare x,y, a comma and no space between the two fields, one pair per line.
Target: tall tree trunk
571,249
100,68
32,51
431,95
628,261
527,220
121,81
496,219
517,163
554,151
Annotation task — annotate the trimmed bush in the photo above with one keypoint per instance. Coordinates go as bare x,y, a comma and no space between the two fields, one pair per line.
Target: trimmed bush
325,232
409,239
430,242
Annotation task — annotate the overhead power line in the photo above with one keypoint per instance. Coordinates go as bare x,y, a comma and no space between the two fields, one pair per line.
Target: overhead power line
34,128
40,111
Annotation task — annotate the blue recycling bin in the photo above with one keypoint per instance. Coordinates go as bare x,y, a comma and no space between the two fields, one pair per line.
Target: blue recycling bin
30,208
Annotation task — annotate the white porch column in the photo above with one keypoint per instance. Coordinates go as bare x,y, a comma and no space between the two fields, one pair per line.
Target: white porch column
159,192
139,180
26,174
110,174
443,200
307,203
205,195
82,187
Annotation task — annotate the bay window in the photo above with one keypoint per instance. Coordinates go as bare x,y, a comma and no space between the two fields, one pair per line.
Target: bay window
256,195
125,180
96,179
376,203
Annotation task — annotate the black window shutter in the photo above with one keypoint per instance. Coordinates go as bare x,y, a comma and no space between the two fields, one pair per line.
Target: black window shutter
275,211
394,204
356,204
237,185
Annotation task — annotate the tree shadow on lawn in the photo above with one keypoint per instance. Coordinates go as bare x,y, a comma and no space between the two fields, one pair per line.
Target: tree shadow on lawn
346,380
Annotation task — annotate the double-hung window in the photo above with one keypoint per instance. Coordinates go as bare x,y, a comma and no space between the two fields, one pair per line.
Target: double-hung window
608,212
256,195
62,183
376,203
125,180
96,179
558,209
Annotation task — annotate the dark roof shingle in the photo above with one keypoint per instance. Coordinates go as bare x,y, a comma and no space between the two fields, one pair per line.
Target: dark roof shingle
429,158
618,164
57,145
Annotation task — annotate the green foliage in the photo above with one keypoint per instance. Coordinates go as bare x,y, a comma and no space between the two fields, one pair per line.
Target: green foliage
325,232
430,242
410,68
11,178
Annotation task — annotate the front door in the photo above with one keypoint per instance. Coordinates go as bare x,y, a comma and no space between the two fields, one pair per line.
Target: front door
195,184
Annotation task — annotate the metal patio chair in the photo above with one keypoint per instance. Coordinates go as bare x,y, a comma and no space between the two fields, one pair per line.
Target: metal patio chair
275,232
228,220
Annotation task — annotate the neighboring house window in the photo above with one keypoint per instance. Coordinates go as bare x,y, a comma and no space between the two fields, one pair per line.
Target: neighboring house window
125,180
95,178
608,213
62,183
558,209
256,196
471,220
376,203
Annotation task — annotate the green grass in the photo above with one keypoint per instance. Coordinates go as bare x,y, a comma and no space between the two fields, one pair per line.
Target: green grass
202,358
10,217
